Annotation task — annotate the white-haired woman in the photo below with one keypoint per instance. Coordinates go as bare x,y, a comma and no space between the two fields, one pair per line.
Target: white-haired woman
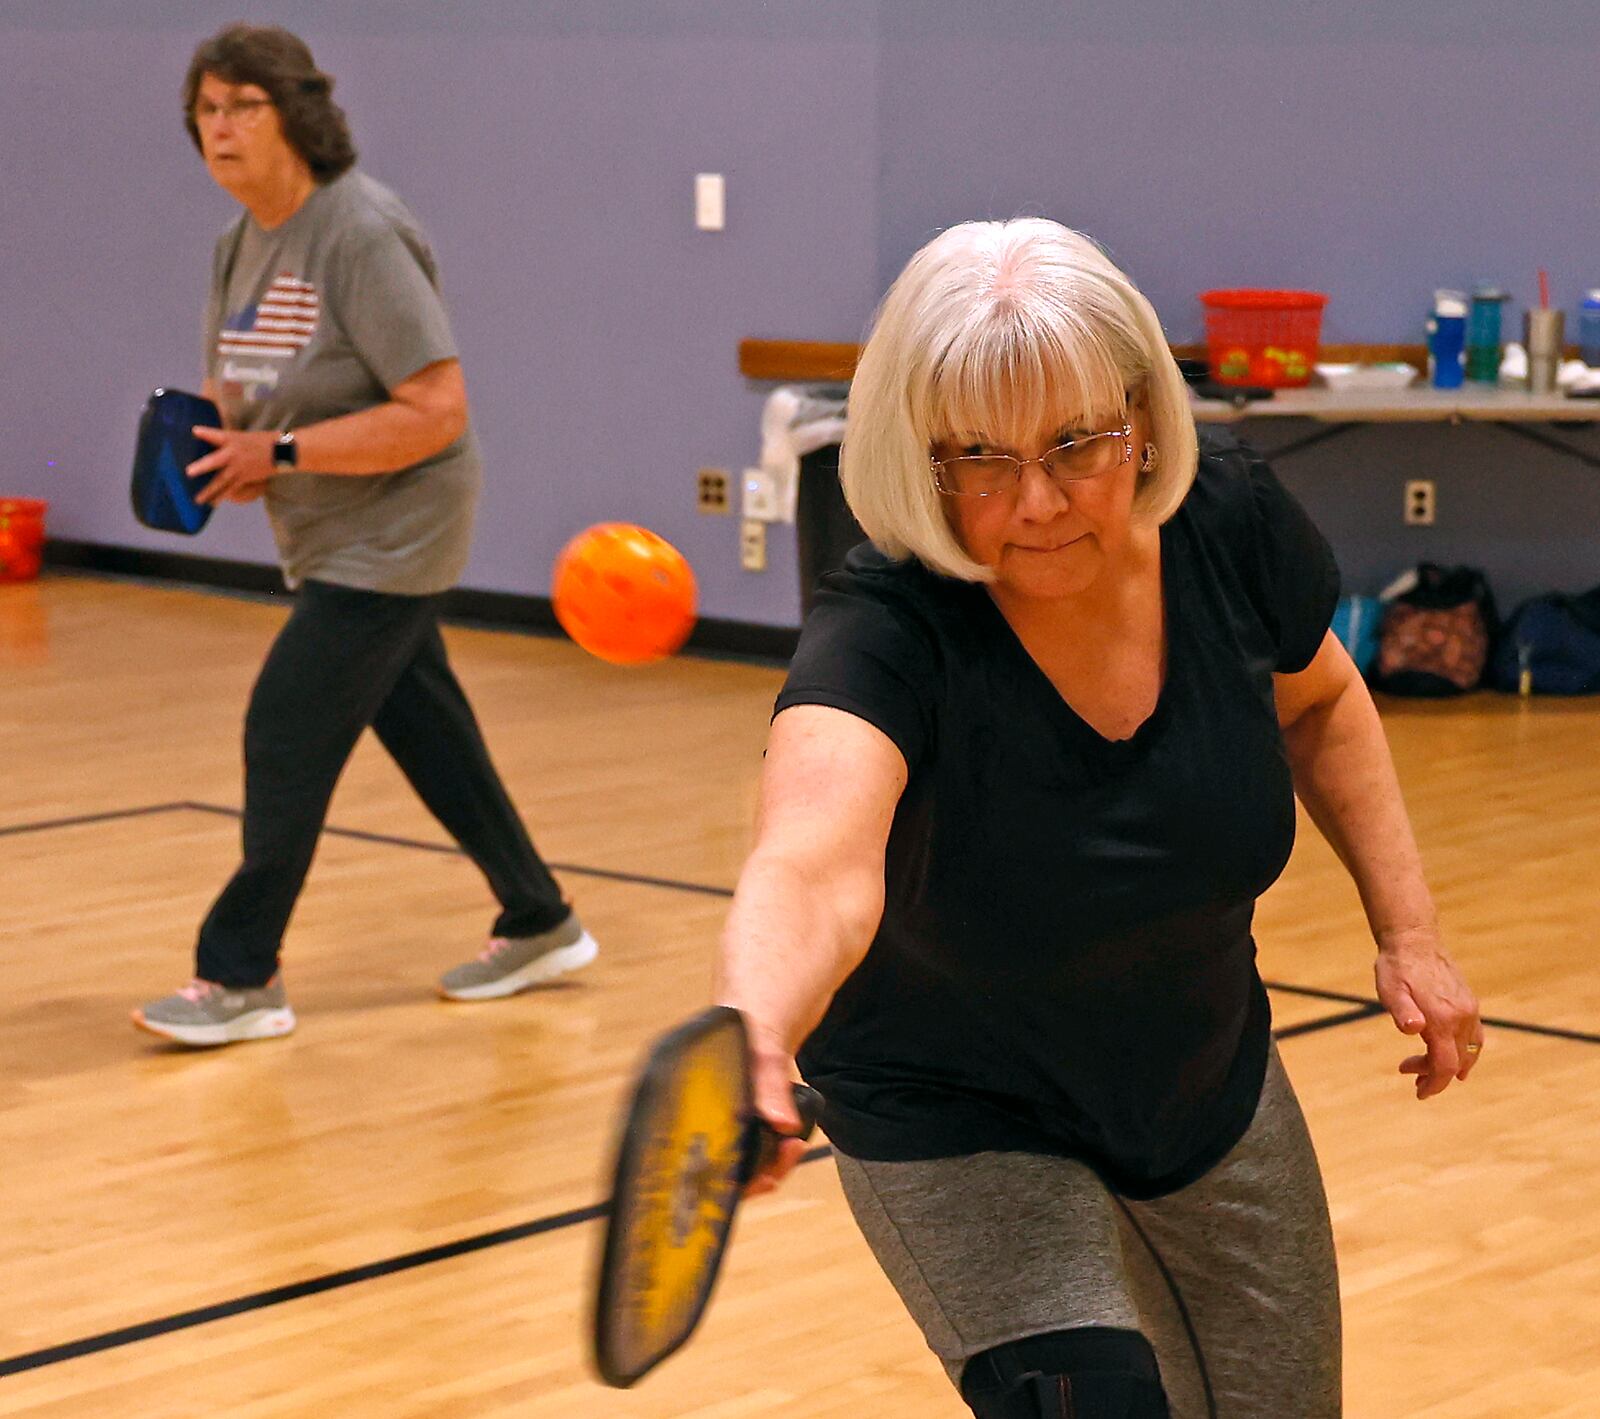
1034,762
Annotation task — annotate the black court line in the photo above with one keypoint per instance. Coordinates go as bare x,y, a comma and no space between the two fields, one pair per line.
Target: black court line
259,1300
111,816
316,1286
1364,1008
1346,1017
408,1261
637,879
1368,1006
1554,1032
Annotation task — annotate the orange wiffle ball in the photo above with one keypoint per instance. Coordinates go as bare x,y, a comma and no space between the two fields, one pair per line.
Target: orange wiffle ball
624,594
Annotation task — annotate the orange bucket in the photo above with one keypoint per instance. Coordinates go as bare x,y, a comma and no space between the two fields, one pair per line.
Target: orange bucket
21,538
1266,338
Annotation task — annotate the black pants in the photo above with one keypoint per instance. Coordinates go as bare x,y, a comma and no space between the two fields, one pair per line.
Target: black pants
347,659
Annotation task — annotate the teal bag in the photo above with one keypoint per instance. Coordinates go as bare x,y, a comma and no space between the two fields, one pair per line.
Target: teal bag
1355,623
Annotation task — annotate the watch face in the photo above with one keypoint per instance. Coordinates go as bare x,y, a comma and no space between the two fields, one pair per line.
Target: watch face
284,452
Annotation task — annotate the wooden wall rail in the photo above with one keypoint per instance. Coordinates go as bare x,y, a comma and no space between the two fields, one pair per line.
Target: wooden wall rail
797,360
811,360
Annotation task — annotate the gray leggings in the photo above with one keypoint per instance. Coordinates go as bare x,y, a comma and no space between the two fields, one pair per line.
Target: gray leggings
1232,1279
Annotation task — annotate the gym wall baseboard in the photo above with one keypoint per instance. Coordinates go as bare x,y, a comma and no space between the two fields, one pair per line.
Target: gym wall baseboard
496,610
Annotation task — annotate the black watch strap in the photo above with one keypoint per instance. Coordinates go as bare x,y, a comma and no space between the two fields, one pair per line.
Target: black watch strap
285,452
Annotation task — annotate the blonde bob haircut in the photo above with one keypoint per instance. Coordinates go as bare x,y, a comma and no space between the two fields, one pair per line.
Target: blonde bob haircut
1005,332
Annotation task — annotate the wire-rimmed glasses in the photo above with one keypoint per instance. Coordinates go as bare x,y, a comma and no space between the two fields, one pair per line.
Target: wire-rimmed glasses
983,475
242,113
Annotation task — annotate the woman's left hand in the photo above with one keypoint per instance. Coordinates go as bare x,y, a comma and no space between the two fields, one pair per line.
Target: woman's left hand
242,459
1426,995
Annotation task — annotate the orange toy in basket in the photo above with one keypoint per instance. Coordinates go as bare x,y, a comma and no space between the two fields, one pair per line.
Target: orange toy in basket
624,594
21,538
1266,338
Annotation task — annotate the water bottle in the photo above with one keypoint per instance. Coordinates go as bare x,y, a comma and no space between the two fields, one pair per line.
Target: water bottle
1447,339
1589,329
1483,334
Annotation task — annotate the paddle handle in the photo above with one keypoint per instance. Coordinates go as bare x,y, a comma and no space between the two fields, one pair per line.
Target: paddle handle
808,1104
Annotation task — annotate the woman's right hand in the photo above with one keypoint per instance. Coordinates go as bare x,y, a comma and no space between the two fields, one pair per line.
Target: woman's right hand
773,1077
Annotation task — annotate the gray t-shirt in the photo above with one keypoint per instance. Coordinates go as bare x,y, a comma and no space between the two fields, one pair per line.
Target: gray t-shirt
321,316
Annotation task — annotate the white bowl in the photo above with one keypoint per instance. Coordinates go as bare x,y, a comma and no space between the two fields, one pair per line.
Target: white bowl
1395,375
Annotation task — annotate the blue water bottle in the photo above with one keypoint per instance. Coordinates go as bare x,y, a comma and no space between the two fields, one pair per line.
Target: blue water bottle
1447,339
1589,329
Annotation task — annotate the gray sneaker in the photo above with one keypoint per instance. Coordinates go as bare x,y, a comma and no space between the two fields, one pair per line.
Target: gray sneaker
205,1013
509,964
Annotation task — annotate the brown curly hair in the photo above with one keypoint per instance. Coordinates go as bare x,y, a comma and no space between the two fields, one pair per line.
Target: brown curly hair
281,63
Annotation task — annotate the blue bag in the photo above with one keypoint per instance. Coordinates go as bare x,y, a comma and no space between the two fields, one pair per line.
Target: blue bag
1551,646
1355,625
163,494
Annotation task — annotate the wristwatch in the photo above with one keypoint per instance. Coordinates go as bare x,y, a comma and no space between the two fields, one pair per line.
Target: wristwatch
285,453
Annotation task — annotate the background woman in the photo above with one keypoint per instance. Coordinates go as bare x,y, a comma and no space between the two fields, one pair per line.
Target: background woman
330,356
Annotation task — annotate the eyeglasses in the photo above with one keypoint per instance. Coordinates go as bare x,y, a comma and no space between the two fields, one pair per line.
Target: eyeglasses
984,475
245,113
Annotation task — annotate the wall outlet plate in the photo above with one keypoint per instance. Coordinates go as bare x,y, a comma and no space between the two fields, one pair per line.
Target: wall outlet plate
753,545
1419,504
711,491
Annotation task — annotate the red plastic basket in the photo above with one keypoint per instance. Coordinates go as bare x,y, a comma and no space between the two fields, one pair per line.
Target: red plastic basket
1266,338
21,538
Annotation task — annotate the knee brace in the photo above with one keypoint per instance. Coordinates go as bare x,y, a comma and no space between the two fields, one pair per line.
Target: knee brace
1090,1373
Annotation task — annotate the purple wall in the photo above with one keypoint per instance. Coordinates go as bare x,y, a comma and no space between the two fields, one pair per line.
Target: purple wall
549,146
550,151
1371,151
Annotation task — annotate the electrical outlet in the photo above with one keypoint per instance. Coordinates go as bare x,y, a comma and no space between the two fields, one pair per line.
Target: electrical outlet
1419,502
758,495
753,545
711,494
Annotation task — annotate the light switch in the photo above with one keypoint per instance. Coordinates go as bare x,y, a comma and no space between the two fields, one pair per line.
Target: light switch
710,202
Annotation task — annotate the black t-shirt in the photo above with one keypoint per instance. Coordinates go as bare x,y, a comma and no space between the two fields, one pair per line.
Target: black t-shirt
1064,963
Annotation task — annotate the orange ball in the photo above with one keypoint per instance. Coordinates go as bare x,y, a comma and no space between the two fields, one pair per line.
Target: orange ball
624,594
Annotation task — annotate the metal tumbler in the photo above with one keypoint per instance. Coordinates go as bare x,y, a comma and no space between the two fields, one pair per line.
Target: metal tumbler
1543,333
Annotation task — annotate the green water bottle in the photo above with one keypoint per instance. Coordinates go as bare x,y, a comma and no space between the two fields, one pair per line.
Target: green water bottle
1483,334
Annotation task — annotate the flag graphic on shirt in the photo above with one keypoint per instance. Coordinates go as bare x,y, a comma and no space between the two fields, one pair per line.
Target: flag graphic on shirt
282,323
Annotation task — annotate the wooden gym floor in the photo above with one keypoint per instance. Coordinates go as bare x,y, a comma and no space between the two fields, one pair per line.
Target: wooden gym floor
391,1213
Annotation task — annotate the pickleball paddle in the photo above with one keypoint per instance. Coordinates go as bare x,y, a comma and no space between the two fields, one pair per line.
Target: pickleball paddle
690,1141
163,494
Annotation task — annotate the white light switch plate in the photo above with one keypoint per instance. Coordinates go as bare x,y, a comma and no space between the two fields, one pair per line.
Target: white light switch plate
710,202
758,496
